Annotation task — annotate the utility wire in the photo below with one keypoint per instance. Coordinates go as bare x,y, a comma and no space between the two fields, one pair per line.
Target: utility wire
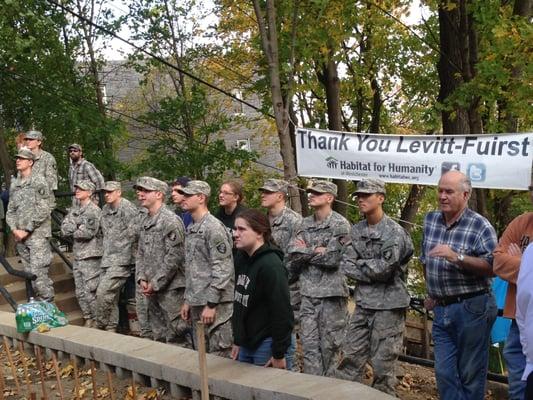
159,59
74,100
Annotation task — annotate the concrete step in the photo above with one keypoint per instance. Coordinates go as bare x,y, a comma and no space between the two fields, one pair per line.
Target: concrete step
62,283
57,267
75,318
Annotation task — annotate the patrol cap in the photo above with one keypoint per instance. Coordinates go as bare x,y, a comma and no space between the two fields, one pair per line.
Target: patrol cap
370,185
149,183
34,135
275,185
75,146
320,186
25,153
111,186
85,185
197,187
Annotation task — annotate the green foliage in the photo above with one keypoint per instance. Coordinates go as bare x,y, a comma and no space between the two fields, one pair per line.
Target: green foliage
42,89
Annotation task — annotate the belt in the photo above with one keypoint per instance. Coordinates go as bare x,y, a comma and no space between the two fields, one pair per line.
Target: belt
446,301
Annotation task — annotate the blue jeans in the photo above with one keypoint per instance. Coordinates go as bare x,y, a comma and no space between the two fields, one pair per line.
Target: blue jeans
461,334
515,362
263,353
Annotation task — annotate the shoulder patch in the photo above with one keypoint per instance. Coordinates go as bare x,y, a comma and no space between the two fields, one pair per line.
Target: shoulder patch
222,248
172,235
91,221
387,255
41,191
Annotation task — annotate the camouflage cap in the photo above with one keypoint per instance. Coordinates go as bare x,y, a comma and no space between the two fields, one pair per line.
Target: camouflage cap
85,185
149,183
275,185
370,185
75,146
322,187
111,186
197,187
33,135
25,153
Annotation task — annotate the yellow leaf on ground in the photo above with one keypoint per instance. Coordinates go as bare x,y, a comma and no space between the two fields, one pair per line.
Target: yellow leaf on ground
67,371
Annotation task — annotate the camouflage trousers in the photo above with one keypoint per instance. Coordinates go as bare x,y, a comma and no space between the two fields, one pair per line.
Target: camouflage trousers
164,317
112,281
86,276
36,256
374,336
218,335
296,300
141,307
322,322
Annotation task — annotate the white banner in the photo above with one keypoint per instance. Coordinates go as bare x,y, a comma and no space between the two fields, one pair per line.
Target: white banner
501,161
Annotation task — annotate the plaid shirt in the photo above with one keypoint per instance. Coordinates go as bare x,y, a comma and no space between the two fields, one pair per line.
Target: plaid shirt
85,170
472,235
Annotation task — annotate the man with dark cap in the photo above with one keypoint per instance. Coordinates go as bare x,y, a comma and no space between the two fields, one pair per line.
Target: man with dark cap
376,254
210,272
82,170
314,256
120,227
159,267
284,223
28,217
82,223
44,163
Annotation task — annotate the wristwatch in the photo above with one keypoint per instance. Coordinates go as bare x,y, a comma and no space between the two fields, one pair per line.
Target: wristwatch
460,257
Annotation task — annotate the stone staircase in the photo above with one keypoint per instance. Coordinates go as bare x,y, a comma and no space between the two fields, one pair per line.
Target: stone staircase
65,298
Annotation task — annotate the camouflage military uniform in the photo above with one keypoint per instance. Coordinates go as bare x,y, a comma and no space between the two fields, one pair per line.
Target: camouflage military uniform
29,209
376,258
45,165
210,278
323,289
83,224
141,305
120,228
284,226
160,262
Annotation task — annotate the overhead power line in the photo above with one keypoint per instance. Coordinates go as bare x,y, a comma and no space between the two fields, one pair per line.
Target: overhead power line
156,57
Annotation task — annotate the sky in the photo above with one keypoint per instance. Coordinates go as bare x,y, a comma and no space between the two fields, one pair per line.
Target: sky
118,50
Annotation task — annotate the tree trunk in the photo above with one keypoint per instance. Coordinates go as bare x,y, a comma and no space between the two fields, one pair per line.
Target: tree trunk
329,78
5,160
456,66
410,208
266,22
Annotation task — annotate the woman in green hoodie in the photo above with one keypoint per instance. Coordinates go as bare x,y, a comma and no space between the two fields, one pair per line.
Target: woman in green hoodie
262,314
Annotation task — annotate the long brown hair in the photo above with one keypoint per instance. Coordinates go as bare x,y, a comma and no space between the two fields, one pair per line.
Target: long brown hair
259,223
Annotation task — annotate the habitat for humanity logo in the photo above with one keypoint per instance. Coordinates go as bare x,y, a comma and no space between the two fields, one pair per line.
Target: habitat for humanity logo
332,162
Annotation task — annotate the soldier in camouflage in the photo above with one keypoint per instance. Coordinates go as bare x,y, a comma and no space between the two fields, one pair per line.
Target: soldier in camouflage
120,227
82,170
314,256
159,267
44,164
82,223
28,217
375,256
210,271
284,222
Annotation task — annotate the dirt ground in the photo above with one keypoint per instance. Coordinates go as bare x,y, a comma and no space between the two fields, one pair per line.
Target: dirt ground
414,383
